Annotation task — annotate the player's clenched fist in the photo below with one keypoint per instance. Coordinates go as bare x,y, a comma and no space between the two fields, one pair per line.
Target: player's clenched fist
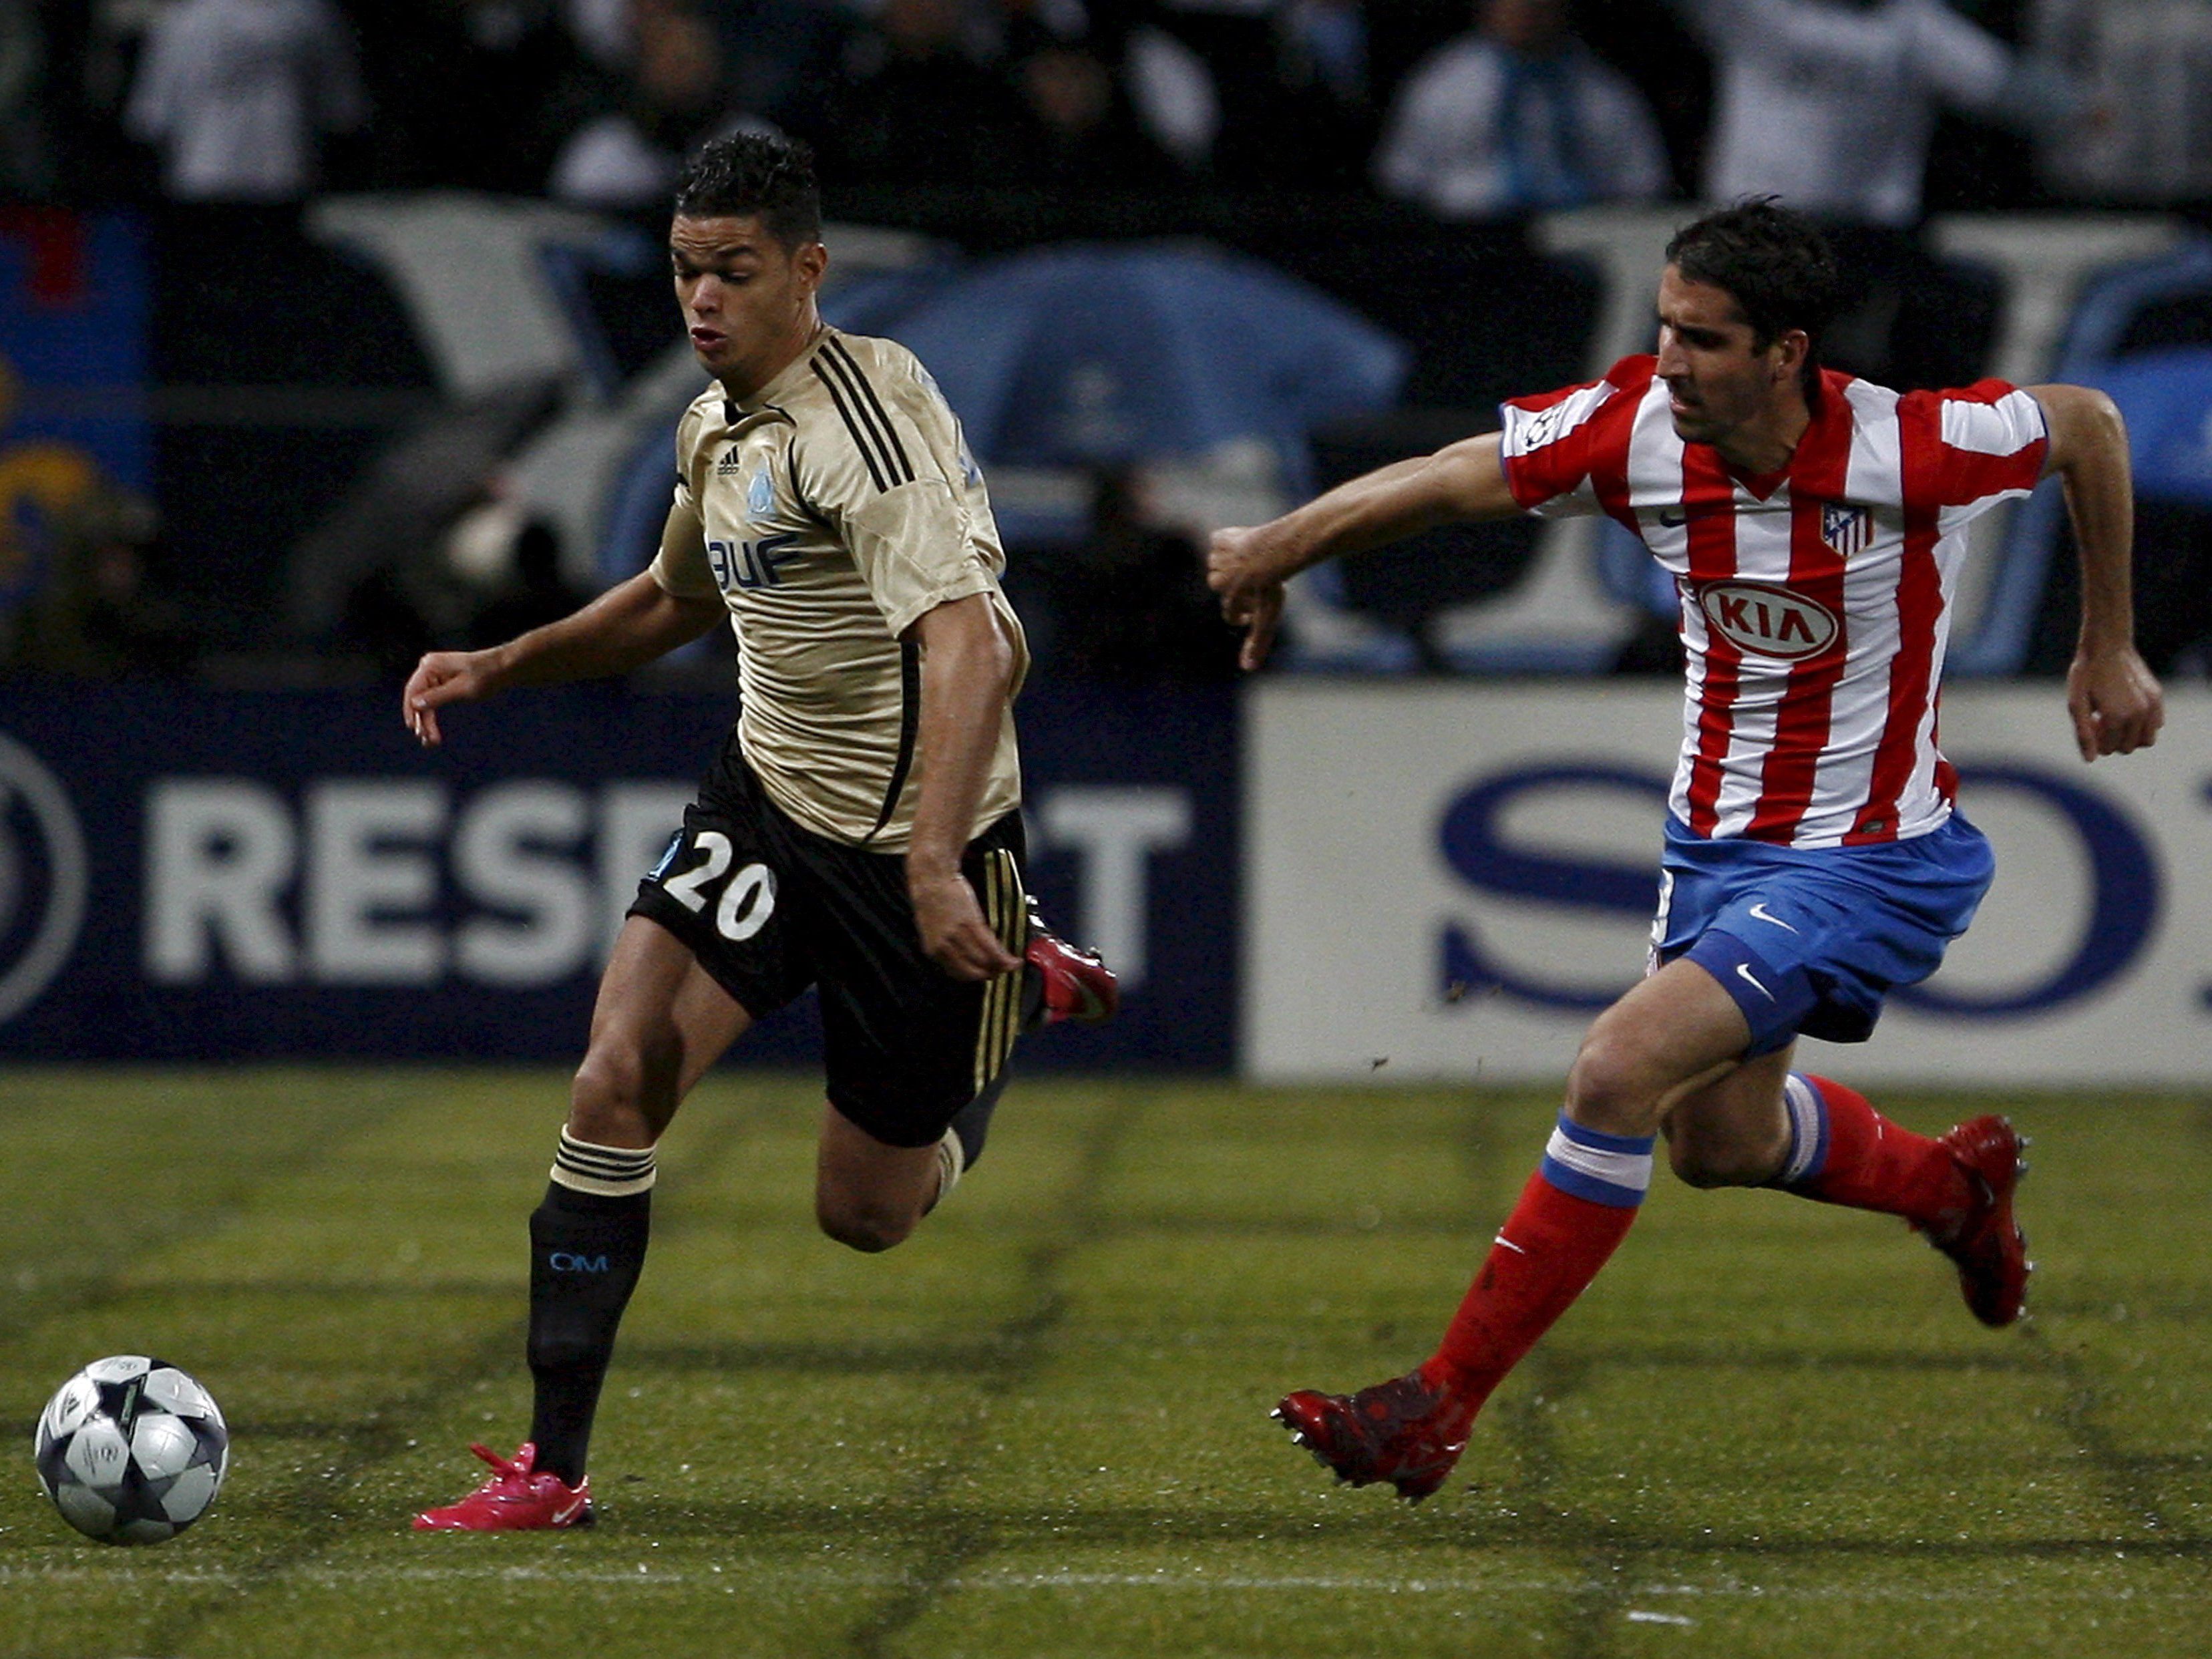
2116,702
953,932
1236,569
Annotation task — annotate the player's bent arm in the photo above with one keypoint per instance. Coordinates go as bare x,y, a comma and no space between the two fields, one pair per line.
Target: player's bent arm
1461,483
630,625
633,623
967,671
2110,693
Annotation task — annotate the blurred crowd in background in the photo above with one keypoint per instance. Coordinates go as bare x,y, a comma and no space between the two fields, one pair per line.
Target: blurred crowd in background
1470,110
1316,133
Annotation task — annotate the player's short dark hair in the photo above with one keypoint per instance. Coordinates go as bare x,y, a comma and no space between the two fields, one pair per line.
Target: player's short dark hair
754,174
1774,264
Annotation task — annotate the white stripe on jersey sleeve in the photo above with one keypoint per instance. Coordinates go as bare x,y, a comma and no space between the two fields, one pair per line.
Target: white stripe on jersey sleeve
1529,429
2003,427
1876,472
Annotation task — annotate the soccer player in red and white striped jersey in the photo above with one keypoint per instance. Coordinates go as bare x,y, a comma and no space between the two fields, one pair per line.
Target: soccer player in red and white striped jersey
1816,592
1814,858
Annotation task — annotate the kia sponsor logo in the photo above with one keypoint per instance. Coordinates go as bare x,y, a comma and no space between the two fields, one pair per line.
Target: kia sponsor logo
1769,622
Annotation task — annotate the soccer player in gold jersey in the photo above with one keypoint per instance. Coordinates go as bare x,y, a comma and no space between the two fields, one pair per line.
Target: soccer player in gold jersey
860,830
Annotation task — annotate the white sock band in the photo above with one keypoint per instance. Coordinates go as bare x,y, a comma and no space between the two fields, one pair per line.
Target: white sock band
1808,1130
952,1164
609,1171
1613,1170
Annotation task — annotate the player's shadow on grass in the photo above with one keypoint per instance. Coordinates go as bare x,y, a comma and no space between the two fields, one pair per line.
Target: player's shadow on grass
1080,1524
1465,1517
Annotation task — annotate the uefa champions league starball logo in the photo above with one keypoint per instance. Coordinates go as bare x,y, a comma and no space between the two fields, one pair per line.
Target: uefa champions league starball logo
44,877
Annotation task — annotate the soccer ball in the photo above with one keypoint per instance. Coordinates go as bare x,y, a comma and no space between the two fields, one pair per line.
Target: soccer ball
131,1450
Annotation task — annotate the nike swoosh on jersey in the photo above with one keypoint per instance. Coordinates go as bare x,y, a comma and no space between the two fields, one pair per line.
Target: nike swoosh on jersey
1752,981
1673,521
1759,912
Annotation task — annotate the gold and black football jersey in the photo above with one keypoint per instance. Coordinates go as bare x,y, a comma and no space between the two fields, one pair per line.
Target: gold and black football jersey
830,511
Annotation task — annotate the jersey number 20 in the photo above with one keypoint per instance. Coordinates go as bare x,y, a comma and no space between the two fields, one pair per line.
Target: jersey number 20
748,897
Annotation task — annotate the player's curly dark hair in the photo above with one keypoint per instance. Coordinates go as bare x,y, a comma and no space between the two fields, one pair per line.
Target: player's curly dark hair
1775,264
746,173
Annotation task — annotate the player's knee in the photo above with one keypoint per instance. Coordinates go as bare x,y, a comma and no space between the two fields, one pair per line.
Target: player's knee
609,1102
1608,1087
858,1224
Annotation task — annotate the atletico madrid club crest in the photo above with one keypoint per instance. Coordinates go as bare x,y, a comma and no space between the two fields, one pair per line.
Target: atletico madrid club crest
1846,529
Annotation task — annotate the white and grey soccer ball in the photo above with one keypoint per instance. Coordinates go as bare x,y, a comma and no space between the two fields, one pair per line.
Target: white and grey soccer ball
131,1450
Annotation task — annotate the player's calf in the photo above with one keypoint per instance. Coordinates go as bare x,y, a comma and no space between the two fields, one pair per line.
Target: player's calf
1956,1191
587,1244
1842,1150
869,1194
870,1228
1708,1155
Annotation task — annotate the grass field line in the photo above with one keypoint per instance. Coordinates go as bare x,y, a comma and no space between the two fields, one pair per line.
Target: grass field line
646,1578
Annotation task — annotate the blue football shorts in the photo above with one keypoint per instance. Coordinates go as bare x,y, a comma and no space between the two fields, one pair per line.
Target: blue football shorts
1809,940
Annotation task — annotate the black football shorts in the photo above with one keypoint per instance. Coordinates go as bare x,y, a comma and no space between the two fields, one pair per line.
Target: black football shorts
768,908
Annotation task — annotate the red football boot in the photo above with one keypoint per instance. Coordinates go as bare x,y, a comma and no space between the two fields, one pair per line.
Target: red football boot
1070,982
1408,1431
519,1497
1985,1242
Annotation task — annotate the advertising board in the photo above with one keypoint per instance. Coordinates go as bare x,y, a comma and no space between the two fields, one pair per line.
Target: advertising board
189,874
1448,882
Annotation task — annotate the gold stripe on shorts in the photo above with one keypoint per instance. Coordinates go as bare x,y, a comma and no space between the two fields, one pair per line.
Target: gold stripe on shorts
1006,913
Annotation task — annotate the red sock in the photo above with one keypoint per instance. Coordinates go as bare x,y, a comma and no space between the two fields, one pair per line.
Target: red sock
1873,1164
1550,1248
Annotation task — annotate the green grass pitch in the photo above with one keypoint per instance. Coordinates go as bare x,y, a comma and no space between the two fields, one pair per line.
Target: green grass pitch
1040,1428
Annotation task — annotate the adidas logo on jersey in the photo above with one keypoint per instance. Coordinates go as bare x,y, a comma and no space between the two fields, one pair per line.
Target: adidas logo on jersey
729,465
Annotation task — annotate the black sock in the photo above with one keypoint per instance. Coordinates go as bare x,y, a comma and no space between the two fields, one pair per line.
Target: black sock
585,1252
973,1122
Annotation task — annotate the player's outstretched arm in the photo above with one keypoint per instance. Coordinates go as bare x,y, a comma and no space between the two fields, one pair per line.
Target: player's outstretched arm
2110,693
966,670
627,627
1247,565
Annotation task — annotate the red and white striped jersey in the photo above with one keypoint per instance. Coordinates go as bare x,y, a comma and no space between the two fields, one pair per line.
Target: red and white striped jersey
1816,600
